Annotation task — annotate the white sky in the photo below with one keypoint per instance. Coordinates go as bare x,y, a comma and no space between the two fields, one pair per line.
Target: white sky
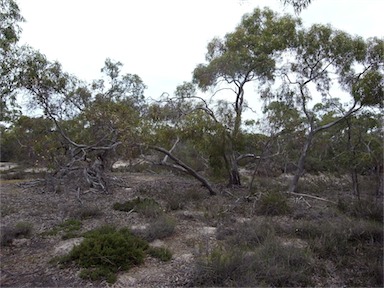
162,41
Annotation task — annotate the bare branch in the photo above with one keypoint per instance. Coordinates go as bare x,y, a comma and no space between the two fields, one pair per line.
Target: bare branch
188,169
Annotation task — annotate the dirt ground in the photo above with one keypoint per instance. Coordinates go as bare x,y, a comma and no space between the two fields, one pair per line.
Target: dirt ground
26,262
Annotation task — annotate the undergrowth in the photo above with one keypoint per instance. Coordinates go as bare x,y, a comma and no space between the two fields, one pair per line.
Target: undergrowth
269,264
146,206
105,251
11,232
70,228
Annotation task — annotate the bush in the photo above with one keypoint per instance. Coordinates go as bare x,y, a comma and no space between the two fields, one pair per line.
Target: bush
160,229
87,212
69,229
273,204
247,234
105,251
355,248
145,206
20,230
160,253
271,264
362,209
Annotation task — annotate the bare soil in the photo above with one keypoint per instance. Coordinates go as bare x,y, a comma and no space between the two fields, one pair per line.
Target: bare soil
26,262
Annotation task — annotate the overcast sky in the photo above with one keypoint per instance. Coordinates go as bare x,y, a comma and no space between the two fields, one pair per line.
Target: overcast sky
162,40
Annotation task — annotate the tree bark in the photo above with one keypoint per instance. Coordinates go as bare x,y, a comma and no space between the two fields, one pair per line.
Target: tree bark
355,183
185,168
300,164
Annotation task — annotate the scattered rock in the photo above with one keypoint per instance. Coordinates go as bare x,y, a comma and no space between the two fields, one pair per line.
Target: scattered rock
21,242
65,246
209,230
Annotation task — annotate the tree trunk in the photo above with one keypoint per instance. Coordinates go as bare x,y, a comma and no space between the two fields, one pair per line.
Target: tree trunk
379,181
300,164
232,168
355,183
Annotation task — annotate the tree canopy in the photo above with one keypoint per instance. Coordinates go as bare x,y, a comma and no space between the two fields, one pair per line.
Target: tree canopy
311,85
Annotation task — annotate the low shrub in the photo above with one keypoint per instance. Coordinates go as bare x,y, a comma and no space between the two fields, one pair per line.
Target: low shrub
160,253
247,234
69,229
20,230
105,251
159,229
273,204
270,264
362,209
87,212
354,246
145,206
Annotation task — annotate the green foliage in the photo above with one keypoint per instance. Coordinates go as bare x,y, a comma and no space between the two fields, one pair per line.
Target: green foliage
272,204
161,228
106,251
145,206
179,198
87,212
30,140
98,273
69,229
247,52
362,209
270,264
246,235
160,253
337,240
19,230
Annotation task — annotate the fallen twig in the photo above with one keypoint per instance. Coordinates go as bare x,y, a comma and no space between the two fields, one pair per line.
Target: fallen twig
313,197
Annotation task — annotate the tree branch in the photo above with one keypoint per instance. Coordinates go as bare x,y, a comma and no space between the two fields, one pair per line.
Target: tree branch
188,169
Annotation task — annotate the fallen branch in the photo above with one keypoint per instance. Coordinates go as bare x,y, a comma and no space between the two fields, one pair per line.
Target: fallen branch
313,197
184,167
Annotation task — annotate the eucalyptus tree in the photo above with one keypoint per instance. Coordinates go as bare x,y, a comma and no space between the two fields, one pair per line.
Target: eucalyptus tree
92,120
285,125
298,5
182,129
326,58
248,54
9,51
358,149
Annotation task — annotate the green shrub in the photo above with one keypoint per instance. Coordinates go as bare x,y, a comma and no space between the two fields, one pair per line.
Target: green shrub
70,225
94,274
105,251
160,253
272,204
175,201
20,230
87,212
145,206
270,264
159,229
247,234
362,209
337,238
69,229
